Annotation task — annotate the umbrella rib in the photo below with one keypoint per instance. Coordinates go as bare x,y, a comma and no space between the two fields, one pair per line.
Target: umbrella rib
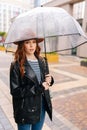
70,48
63,35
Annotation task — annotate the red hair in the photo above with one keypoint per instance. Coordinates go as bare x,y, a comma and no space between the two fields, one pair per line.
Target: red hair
20,55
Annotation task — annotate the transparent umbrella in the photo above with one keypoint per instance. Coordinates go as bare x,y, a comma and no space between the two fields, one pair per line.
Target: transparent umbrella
47,22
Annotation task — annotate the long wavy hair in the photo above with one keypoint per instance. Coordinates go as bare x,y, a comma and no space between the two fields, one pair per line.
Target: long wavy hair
20,55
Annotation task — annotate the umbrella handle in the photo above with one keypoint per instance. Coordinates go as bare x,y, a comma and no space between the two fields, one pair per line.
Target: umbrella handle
47,67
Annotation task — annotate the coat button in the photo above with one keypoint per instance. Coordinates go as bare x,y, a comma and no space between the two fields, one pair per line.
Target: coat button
23,120
32,110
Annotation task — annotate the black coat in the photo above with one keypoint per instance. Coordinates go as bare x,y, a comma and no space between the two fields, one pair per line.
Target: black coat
27,93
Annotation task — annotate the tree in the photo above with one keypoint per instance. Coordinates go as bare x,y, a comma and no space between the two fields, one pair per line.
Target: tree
2,33
2,36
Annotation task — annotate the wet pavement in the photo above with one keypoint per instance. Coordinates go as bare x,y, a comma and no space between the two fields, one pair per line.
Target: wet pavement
69,95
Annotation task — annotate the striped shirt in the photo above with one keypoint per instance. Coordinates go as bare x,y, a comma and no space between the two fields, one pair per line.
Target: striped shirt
35,66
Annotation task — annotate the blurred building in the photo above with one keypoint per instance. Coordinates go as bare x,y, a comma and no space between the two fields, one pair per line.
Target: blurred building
10,9
78,9
37,3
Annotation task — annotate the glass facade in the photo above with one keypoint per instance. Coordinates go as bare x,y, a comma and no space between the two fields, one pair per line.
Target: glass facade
78,10
7,12
44,1
40,2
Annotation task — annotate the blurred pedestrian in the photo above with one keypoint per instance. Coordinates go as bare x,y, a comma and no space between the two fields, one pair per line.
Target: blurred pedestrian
29,86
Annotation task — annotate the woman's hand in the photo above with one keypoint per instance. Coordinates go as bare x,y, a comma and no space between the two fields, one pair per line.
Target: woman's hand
48,79
45,85
47,82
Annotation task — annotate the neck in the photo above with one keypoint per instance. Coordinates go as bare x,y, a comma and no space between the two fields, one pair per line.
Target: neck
30,56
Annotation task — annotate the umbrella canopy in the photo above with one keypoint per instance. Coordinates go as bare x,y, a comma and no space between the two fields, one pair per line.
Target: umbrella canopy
47,22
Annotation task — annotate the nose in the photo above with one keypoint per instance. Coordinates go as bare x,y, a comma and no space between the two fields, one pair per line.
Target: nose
31,43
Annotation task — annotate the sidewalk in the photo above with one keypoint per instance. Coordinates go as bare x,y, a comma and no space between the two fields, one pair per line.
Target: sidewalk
70,94
69,97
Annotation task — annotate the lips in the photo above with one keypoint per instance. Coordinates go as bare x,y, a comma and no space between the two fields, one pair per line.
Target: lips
31,49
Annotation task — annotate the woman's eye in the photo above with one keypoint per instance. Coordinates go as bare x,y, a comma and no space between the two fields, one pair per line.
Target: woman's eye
34,41
27,42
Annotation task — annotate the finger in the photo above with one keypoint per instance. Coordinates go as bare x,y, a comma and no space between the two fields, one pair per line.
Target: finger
47,75
45,85
48,79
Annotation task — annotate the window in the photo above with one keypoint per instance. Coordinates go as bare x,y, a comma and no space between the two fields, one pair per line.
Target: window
78,10
86,27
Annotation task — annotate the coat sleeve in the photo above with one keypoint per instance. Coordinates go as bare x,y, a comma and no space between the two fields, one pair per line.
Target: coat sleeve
46,70
16,89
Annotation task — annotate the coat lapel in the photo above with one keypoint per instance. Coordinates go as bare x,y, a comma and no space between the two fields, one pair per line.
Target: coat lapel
29,73
41,70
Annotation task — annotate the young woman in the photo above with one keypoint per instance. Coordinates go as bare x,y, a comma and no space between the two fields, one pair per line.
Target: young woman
29,86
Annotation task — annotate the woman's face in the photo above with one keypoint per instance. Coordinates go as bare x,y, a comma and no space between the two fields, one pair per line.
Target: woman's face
30,46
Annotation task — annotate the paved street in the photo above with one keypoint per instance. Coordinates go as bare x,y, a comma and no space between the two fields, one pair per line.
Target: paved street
69,95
